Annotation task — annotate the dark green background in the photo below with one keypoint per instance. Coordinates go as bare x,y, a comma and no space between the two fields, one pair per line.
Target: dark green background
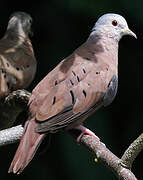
59,27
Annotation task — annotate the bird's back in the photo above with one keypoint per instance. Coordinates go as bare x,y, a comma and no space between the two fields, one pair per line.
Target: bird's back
17,64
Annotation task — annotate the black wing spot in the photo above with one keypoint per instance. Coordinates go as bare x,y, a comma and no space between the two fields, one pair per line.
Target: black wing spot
74,73
17,68
28,66
97,72
72,95
84,70
56,83
8,85
54,99
71,82
7,64
78,79
2,70
84,93
87,58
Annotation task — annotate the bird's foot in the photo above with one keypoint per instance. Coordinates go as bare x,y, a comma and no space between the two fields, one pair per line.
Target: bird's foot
85,130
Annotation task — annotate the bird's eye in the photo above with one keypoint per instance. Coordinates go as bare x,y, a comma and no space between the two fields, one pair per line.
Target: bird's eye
114,23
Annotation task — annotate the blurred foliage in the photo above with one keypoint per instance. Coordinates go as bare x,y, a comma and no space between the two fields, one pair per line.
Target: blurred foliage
60,27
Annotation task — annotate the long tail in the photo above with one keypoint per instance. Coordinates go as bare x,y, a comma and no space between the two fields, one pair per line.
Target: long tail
27,148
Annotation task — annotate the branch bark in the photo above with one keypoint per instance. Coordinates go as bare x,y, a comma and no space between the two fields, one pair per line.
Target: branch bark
132,152
18,101
11,135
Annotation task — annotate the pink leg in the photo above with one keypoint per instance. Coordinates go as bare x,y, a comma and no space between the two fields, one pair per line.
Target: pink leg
85,131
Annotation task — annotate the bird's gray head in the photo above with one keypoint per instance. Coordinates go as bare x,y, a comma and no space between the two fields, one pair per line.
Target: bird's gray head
20,22
112,25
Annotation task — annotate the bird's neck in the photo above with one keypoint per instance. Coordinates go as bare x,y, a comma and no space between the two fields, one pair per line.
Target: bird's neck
103,49
103,44
15,37
96,38
15,32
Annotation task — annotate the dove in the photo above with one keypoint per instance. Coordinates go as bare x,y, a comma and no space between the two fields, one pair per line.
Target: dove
77,87
17,59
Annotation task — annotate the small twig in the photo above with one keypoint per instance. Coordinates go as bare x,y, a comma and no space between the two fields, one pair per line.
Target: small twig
132,152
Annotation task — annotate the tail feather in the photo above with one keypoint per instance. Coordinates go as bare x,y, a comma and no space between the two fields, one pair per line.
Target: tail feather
27,148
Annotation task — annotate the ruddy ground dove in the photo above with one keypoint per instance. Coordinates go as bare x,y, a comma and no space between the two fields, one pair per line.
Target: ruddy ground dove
17,60
77,87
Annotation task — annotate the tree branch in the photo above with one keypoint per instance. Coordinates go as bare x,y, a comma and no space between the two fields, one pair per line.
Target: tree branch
18,101
11,135
106,157
99,149
132,152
